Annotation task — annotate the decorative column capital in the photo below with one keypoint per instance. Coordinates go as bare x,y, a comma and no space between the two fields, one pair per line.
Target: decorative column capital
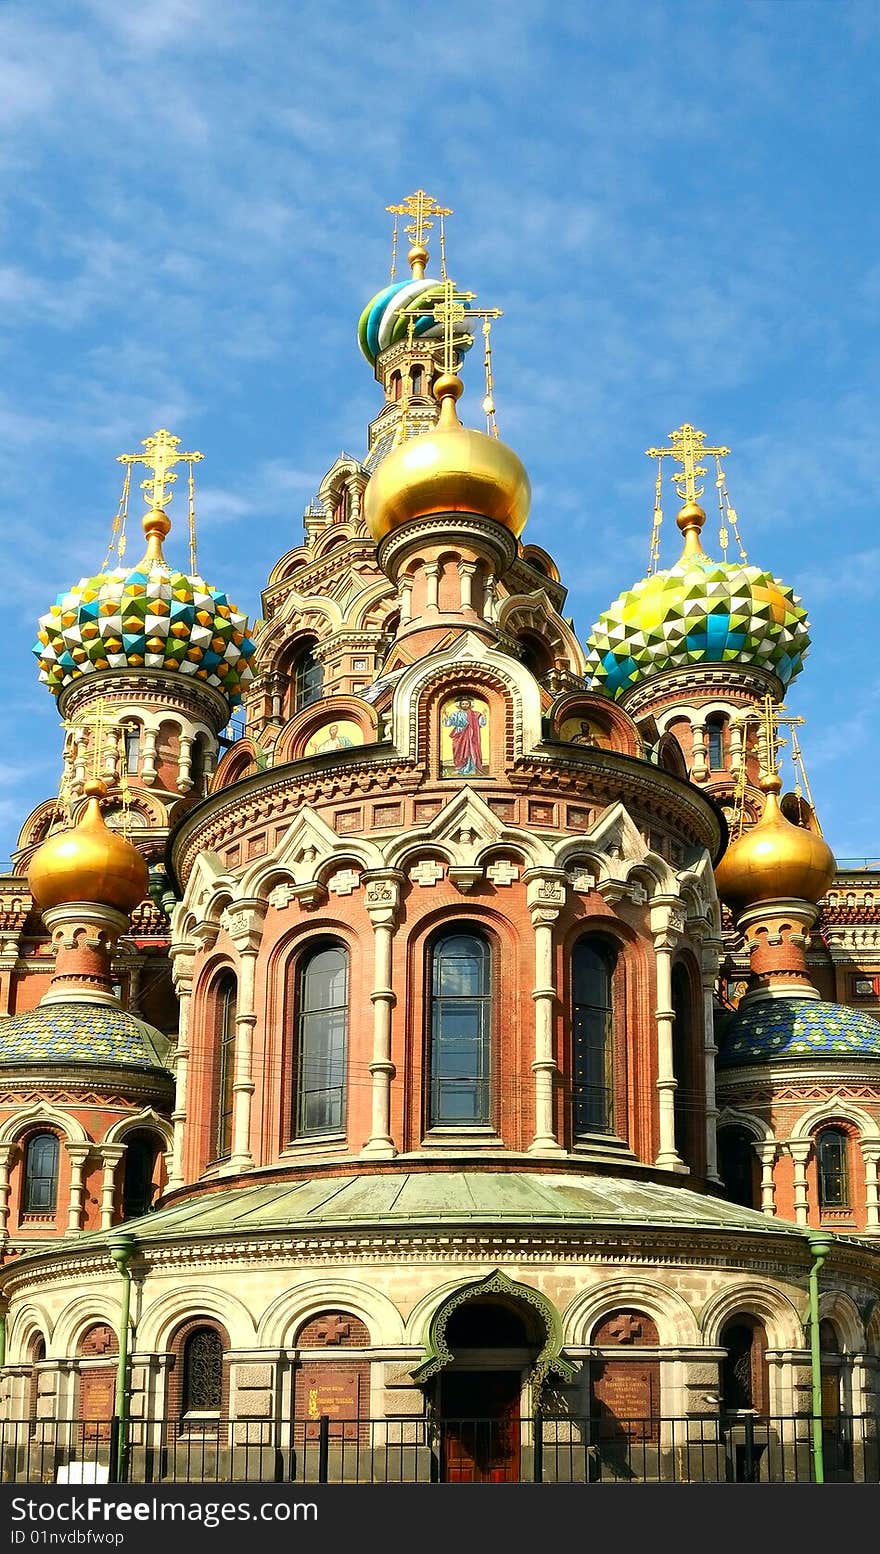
667,922
183,961
799,1149
243,921
382,888
79,1153
545,894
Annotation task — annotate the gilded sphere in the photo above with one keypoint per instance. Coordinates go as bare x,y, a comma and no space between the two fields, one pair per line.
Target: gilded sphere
774,861
89,863
450,469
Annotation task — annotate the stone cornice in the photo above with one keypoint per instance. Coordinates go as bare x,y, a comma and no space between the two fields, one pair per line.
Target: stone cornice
168,688
699,680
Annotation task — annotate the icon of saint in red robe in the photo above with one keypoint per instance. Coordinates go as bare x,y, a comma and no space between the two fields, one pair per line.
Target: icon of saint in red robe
464,724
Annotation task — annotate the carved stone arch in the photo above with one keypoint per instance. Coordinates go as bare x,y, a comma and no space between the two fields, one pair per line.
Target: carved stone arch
782,1321
241,760
145,1119
549,1358
524,614
676,1320
535,556
377,593
872,1329
735,1117
30,1321
287,1313
828,1112
467,658
81,1313
42,1113
839,1308
336,533
46,817
189,1302
294,737
288,565
465,827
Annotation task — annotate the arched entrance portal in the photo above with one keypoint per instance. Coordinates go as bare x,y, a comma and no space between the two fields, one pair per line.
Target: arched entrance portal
491,1346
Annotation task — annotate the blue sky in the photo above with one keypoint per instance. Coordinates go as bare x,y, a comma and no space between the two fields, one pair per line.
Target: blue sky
674,204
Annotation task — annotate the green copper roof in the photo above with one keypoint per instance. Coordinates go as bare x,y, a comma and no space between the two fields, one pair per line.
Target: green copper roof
416,1198
81,1033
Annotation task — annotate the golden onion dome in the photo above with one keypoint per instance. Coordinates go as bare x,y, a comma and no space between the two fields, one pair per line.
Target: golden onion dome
775,860
88,863
450,469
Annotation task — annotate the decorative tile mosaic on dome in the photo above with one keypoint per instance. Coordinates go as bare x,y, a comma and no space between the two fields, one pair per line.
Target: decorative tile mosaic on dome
151,617
699,611
797,1027
81,1033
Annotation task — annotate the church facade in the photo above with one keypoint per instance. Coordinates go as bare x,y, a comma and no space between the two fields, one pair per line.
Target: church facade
481,1041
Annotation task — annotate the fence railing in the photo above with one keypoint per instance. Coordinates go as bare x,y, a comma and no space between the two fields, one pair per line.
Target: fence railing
551,1449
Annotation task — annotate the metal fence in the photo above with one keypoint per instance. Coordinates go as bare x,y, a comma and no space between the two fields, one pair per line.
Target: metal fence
549,1449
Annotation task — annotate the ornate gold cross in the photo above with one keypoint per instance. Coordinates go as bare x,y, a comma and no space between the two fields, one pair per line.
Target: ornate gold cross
688,448
419,207
449,311
160,455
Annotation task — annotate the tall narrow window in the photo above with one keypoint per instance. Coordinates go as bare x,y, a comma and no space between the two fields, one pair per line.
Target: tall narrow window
41,1174
137,1184
227,1008
308,679
461,1020
322,1038
203,1372
592,971
832,1159
736,1165
132,747
715,742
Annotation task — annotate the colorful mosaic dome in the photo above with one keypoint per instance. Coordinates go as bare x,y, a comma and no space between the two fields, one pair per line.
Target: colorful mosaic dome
82,1033
384,321
797,1028
149,616
699,611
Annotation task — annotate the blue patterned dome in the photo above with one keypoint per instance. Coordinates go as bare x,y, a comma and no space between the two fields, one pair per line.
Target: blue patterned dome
82,1033
797,1028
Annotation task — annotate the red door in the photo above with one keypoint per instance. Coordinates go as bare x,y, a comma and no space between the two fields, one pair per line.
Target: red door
480,1438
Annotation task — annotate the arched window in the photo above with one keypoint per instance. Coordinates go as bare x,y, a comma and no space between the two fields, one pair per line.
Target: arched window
592,1015
40,1174
460,1031
832,1158
137,1183
736,1164
202,1372
308,679
418,378
226,1010
715,743
744,1367
322,1039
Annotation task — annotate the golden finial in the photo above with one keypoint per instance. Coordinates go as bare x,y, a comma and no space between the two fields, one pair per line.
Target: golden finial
161,453
420,207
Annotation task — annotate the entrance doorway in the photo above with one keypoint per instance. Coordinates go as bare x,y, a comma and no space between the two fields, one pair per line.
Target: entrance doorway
480,1427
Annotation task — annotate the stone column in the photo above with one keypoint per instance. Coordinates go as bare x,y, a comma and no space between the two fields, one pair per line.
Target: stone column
432,584
404,594
148,762
111,1154
871,1156
466,570
245,927
545,894
766,1153
799,1149
700,767
184,764
737,750
79,1154
182,966
5,1158
710,950
667,925
382,900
